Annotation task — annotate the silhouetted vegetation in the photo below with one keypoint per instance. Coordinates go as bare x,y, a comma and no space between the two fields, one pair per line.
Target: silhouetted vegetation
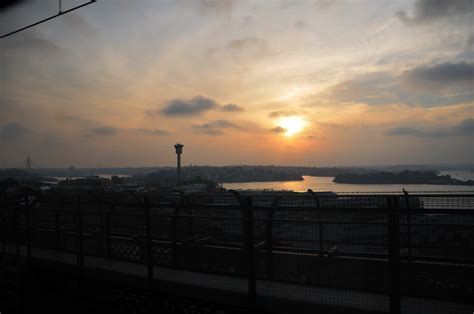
223,174
269,171
404,177
89,181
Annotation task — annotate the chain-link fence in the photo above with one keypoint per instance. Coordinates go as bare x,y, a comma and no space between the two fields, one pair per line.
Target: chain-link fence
408,253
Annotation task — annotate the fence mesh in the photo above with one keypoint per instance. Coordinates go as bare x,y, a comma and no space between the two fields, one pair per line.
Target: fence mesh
321,249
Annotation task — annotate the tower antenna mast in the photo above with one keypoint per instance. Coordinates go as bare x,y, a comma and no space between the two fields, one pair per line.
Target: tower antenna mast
28,164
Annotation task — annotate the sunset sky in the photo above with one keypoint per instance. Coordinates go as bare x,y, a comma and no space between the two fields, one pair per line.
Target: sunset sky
317,83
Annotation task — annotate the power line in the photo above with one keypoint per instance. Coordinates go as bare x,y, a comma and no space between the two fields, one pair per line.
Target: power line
49,18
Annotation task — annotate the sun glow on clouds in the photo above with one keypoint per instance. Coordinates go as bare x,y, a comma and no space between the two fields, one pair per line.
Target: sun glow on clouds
292,125
295,91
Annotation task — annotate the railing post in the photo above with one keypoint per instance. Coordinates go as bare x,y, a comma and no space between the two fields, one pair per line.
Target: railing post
28,228
16,226
270,271
394,252
246,212
57,214
108,240
148,239
250,251
173,233
320,224
79,239
4,229
407,205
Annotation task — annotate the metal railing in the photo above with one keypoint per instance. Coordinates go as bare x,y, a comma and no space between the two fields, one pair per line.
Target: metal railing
400,246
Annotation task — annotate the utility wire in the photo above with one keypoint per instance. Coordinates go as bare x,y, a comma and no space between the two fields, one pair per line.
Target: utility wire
49,18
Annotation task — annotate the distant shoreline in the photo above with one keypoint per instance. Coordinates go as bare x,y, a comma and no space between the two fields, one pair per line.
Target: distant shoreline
404,177
407,183
270,180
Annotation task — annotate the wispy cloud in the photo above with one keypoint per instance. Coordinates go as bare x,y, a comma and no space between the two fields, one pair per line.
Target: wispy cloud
109,130
248,48
216,6
13,131
282,113
214,127
157,132
105,130
24,43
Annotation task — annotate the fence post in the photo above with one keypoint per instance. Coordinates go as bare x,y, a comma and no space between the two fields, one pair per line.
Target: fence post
56,227
394,252
28,228
16,226
407,205
246,212
108,241
269,239
173,232
148,239
250,252
320,224
4,209
79,239
4,229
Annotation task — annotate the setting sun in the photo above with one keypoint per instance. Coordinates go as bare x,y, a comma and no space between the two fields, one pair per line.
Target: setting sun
292,125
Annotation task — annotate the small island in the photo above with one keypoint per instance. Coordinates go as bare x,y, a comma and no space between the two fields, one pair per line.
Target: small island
404,177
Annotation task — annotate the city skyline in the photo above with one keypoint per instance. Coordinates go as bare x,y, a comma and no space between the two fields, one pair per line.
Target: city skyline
238,82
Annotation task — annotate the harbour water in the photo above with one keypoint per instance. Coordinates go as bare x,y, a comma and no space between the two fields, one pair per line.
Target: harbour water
327,184
321,184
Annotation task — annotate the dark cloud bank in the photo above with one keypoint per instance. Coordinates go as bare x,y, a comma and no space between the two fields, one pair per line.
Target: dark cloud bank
278,129
464,128
428,85
195,106
444,73
431,10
